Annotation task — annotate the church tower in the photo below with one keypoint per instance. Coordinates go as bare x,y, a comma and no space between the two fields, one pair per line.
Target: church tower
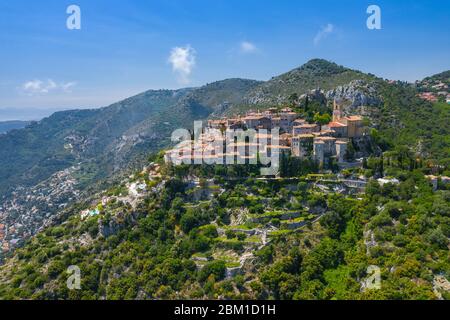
337,111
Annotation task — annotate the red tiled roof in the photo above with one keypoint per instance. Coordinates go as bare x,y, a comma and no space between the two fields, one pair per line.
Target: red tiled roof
354,118
336,124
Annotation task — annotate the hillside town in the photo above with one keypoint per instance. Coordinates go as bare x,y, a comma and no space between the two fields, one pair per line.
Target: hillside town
296,137
32,209
434,90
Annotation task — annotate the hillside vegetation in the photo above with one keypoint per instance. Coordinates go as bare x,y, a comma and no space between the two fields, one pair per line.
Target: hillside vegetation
232,237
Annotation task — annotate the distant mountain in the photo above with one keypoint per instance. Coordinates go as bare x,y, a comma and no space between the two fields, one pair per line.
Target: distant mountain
6,126
314,74
26,114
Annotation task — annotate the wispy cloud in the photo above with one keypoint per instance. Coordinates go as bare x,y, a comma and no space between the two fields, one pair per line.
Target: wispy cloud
323,33
248,47
183,61
36,87
67,87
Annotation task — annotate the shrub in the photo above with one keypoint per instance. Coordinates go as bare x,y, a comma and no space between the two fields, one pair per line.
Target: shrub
215,268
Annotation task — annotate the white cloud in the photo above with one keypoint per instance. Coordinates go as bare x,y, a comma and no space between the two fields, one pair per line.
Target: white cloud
35,87
323,33
67,87
248,47
183,60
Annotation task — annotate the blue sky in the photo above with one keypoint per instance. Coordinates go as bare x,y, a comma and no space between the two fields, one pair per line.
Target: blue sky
124,47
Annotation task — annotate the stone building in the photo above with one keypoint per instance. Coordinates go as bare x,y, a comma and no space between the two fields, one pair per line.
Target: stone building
340,130
354,126
306,128
319,153
302,145
341,151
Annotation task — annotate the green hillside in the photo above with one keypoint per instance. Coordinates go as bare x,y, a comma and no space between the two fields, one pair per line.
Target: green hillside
244,239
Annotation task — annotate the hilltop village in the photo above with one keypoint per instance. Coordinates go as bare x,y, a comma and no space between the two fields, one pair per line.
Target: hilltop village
296,137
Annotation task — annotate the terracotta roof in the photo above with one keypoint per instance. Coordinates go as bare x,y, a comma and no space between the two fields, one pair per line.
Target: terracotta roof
304,136
354,118
217,121
326,138
336,124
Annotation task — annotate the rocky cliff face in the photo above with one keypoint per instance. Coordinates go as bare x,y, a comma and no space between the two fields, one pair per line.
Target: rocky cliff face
358,93
359,98
317,95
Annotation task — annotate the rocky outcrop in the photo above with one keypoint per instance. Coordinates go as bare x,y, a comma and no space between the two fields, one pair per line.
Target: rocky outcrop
366,146
440,284
315,95
107,229
112,225
357,93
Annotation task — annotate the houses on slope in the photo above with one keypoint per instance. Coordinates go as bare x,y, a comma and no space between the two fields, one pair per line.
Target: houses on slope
272,132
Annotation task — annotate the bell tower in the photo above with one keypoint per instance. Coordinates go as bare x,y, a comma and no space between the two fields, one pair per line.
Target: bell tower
337,111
